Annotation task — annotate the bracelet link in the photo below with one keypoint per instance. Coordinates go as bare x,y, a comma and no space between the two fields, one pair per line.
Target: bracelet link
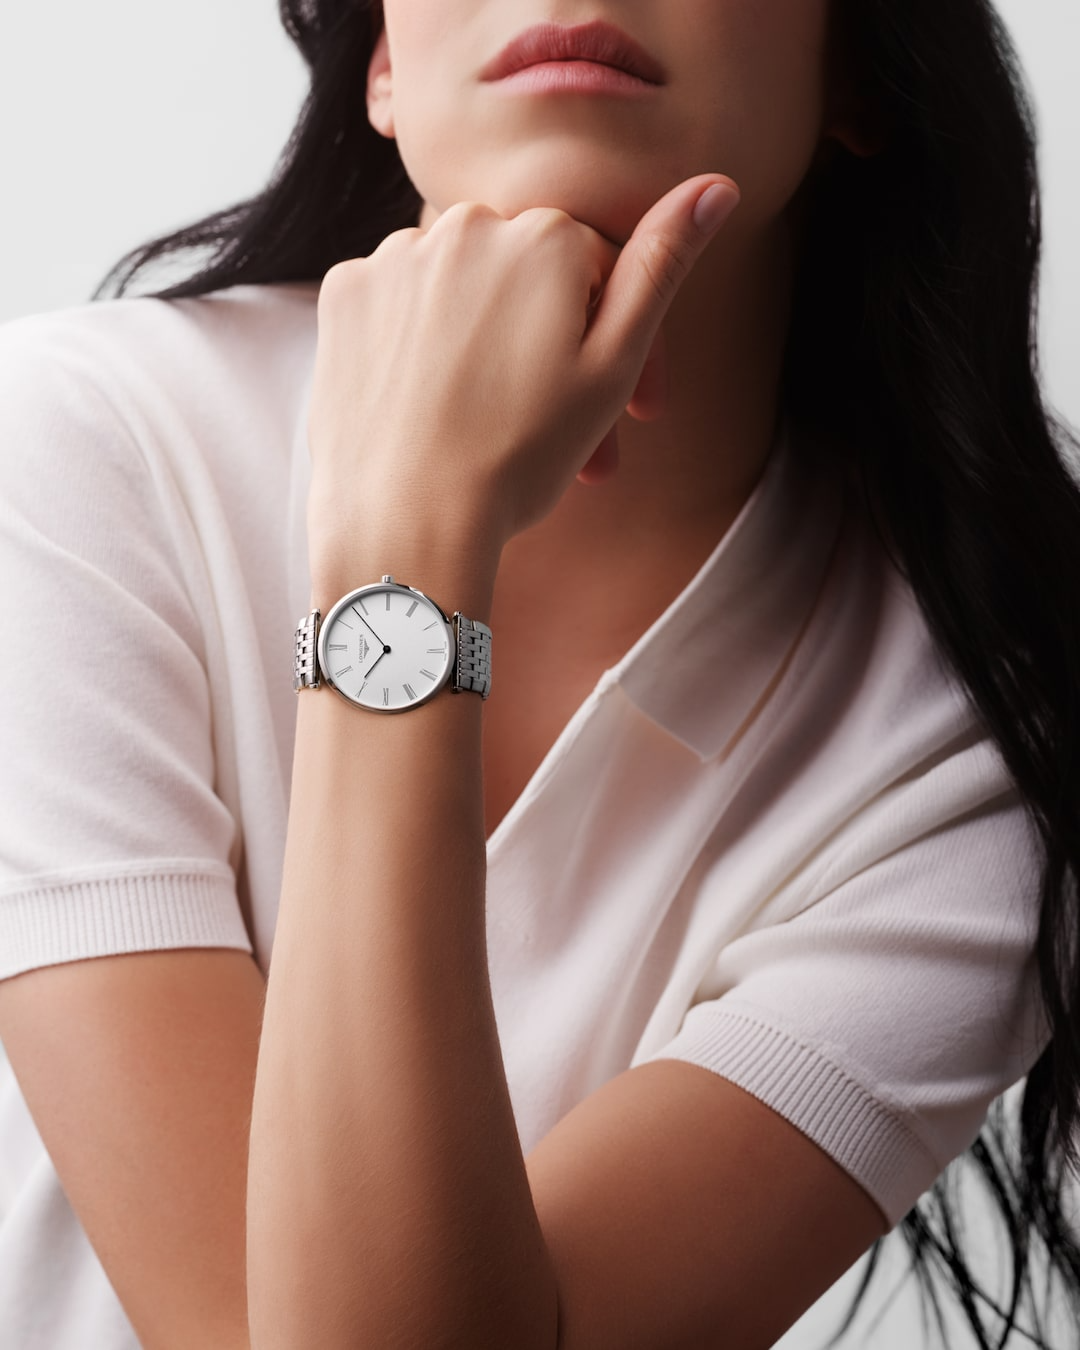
472,668
306,655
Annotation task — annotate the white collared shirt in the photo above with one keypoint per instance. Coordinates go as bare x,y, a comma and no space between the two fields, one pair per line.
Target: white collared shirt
773,841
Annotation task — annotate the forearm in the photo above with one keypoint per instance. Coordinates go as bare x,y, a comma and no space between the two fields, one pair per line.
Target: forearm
388,1203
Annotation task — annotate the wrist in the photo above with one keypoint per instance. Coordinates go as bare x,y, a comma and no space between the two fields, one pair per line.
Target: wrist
457,577
427,540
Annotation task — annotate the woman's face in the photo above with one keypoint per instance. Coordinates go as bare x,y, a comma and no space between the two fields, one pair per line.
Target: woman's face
743,93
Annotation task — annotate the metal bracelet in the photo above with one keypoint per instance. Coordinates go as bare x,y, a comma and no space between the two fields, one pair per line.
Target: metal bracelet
472,668
306,657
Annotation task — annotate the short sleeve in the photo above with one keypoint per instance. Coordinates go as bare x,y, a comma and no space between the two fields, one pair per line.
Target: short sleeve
112,838
885,1016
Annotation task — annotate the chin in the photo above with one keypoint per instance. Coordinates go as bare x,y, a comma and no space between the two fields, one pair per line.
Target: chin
608,202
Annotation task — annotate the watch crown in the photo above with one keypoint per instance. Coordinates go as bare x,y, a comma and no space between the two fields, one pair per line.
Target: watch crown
390,579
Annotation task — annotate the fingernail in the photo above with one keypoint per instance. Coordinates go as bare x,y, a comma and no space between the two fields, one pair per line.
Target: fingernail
714,206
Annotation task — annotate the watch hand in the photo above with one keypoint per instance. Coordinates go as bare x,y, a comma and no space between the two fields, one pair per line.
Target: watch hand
371,630
385,651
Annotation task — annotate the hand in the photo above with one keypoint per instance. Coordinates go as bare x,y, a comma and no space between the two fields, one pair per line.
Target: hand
385,652
470,371
378,639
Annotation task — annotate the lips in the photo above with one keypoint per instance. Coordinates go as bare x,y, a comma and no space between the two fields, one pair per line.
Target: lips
601,43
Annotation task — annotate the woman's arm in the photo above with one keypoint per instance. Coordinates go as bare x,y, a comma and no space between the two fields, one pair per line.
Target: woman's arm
388,1200
138,1070
389,1203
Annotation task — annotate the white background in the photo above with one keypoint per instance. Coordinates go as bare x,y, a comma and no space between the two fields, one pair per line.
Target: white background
122,118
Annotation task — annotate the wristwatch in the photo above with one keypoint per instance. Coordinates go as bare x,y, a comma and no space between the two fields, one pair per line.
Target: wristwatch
389,648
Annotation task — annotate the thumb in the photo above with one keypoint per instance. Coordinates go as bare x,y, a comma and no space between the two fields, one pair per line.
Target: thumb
654,263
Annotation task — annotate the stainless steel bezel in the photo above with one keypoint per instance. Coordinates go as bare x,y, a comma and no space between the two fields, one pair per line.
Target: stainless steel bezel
380,587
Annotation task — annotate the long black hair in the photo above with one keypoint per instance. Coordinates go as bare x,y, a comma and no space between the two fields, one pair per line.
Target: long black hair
913,342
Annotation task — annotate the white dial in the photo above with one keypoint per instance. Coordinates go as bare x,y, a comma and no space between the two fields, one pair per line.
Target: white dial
386,647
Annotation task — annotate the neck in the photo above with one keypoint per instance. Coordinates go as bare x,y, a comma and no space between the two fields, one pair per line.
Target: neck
683,478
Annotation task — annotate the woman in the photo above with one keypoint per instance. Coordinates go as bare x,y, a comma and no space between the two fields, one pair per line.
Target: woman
699,393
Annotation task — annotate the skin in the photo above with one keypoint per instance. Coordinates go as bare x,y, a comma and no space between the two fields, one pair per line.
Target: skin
692,441
758,70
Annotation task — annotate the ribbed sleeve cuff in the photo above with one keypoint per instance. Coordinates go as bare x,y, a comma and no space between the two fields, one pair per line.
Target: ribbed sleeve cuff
871,1141
52,919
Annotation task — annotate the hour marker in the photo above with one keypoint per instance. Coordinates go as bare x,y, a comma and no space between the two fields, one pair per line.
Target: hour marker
410,691
428,674
339,646
436,651
345,625
409,612
385,697
362,606
388,602
361,689
431,625
338,673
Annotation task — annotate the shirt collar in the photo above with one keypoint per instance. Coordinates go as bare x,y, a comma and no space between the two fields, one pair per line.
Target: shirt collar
700,671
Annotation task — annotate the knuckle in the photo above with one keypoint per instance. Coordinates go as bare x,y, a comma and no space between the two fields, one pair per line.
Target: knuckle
666,264
464,214
545,222
398,240
338,283
553,218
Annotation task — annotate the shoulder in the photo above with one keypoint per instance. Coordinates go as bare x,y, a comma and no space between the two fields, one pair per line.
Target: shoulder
117,405
119,359
891,905
148,328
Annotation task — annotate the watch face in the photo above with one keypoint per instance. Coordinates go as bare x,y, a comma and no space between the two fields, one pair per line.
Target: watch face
385,647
